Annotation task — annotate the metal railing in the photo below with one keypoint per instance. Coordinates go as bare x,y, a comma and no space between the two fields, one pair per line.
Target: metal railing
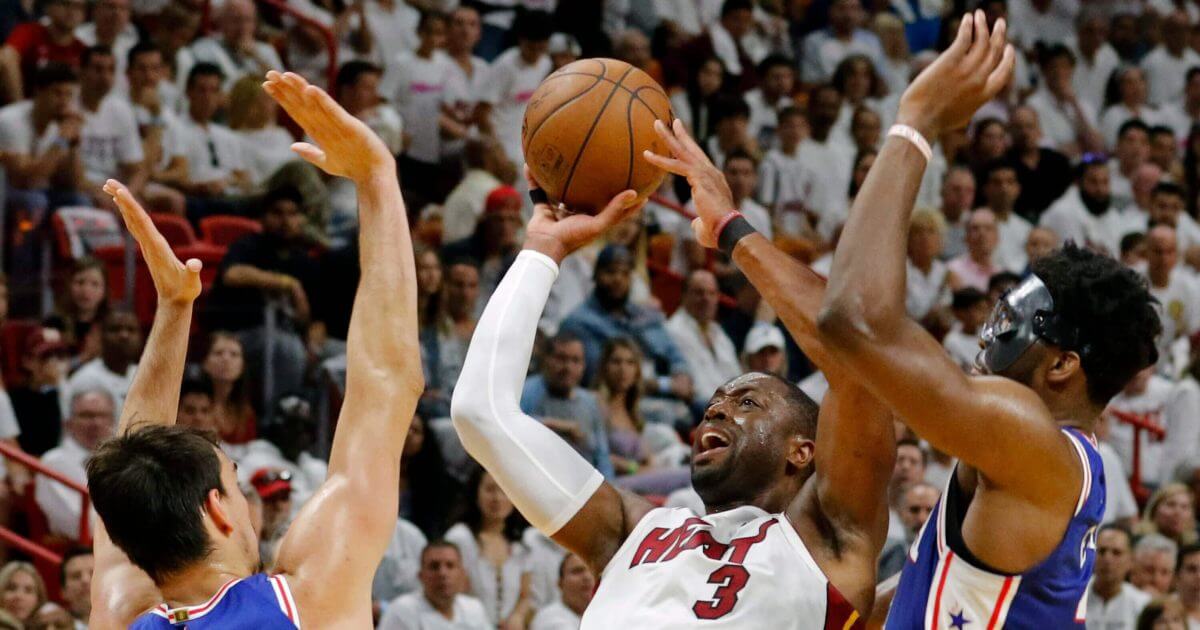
1141,423
34,464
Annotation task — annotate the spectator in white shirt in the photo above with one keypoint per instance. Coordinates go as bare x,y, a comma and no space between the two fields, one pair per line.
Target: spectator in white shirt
786,181
109,138
466,105
929,280
741,173
235,50
92,419
266,146
711,357
1167,64
397,572
419,82
896,55
825,49
971,308
1113,603
1068,121
110,27
1086,214
393,26
153,100
40,142
1167,206
1178,300
1132,151
976,266
1001,189
440,604
1182,114
958,195
1096,59
1125,98
1173,407
216,164
577,584
515,74
831,156
1035,21
731,120
777,80
113,370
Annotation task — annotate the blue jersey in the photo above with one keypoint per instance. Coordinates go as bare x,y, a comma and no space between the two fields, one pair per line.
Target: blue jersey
259,602
943,587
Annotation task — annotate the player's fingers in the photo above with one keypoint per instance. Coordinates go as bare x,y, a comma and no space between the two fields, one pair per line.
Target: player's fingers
1002,74
996,44
979,38
962,40
194,265
312,154
671,165
668,136
684,138
614,211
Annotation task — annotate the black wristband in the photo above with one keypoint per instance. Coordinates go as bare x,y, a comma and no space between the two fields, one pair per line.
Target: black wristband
537,195
737,229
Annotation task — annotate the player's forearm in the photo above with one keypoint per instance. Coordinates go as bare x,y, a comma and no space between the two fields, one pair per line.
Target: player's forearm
866,292
154,396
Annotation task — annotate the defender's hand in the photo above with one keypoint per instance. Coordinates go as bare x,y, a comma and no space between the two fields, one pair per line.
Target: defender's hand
710,191
346,146
558,233
971,71
175,282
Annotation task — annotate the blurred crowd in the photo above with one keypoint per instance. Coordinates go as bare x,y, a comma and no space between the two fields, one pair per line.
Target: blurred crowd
1095,141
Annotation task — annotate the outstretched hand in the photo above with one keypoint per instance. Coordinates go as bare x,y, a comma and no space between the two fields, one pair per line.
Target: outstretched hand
710,191
175,282
346,146
975,67
558,233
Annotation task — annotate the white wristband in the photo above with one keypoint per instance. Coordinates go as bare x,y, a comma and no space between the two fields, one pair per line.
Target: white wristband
913,136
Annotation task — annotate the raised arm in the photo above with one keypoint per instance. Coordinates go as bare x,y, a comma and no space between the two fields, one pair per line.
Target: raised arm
856,443
985,422
121,591
557,490
337,540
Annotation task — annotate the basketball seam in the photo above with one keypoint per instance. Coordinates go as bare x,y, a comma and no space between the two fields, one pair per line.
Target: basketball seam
629,125
605,79
587,138
558,108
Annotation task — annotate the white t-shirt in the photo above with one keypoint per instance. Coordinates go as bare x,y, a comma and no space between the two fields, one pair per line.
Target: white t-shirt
17,133
62,505
1030,26
1118,496
512,84
95,375
764,116
1058,121
556,616
419,86
1118,613
691,16
832,162
109,138
1179,309
1070,220
1010,249
925,292
1166,73
1171,406
213,50
545,560
394,31
497,590
823,52
711,358
213,151
1091,77
1176,117
962,347
414,612
397,572
1117,115
265,151
788,185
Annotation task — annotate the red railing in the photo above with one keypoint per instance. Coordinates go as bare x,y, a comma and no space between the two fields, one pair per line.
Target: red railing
35,465
1140,424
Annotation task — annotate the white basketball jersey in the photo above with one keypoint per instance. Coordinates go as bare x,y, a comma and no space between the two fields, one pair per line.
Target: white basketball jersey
742,568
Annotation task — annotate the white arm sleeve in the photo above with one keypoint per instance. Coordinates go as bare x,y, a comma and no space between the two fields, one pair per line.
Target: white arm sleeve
543,476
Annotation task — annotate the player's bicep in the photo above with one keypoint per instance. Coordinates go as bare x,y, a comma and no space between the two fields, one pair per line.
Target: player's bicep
601,526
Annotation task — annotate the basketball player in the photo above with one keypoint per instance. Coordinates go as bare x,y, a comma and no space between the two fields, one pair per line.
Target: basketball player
175,547
1012,541
796,517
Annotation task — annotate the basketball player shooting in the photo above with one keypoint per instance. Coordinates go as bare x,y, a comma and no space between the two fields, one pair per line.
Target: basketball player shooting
175,547
795,517
1012,541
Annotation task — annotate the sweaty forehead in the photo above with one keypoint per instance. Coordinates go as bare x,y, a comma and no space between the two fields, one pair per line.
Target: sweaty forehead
752,382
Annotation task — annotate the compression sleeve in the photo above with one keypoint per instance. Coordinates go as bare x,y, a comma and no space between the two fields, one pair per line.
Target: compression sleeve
543,475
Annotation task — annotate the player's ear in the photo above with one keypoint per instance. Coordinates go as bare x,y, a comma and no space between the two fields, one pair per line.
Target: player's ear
1065,364
216,511
801,451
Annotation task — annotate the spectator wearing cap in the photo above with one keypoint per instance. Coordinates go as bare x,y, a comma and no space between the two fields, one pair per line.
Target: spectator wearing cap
1086,213
35,43
441,602
971,308
557,399
563,49
1043,174
91,421
40,143
493,245
1096,58
112,371
1125,99
515,74
1167,64
234,48
577,584
845,36
977,264
765,350
274,487
488,168
711,356
1182,114
609,313
75,574
109,140
1068,121
39,403
1112,601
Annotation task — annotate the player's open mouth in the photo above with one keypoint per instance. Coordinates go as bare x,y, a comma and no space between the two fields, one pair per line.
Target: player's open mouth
711,442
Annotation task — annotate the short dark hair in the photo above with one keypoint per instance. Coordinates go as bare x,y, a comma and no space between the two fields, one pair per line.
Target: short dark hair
438,543
1112,311
915,443
1001,278
730,106
967,297
1158,130
197,385
72,552
203,69
1053,52
805,410
775,61
533,26
1184,552
143,47
1168,188
351,71
150,486
1114,527
729,6
93,51
563,337
53,73
740,154
284,192
993,166
1132,124
1131,240
429,16
1191,74
790,111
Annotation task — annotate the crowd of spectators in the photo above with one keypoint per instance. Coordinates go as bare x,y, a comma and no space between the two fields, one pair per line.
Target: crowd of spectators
1095,141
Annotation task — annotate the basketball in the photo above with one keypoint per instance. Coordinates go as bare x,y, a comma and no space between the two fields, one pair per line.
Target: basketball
585,129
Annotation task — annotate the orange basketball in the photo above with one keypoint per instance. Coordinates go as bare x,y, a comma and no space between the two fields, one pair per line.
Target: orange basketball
585,129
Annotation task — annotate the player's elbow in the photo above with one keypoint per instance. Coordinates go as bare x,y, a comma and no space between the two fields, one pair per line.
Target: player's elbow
468,409
848,316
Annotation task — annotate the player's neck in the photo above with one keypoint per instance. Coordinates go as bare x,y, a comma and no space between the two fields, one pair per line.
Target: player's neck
196,585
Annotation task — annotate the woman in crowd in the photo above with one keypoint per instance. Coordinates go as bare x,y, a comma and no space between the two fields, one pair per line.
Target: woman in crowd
1125,98
22,591
1170,513
1164,613
426,488
694,105
860,85
989,142
265,145
897,58
80,307
929,280
435,401
497,562
225,365
858,174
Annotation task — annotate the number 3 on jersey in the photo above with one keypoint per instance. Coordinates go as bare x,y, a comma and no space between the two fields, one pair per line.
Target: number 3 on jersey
732,579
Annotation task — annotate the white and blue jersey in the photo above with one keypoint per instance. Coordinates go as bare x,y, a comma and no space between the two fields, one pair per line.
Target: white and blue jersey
259,602
944,587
